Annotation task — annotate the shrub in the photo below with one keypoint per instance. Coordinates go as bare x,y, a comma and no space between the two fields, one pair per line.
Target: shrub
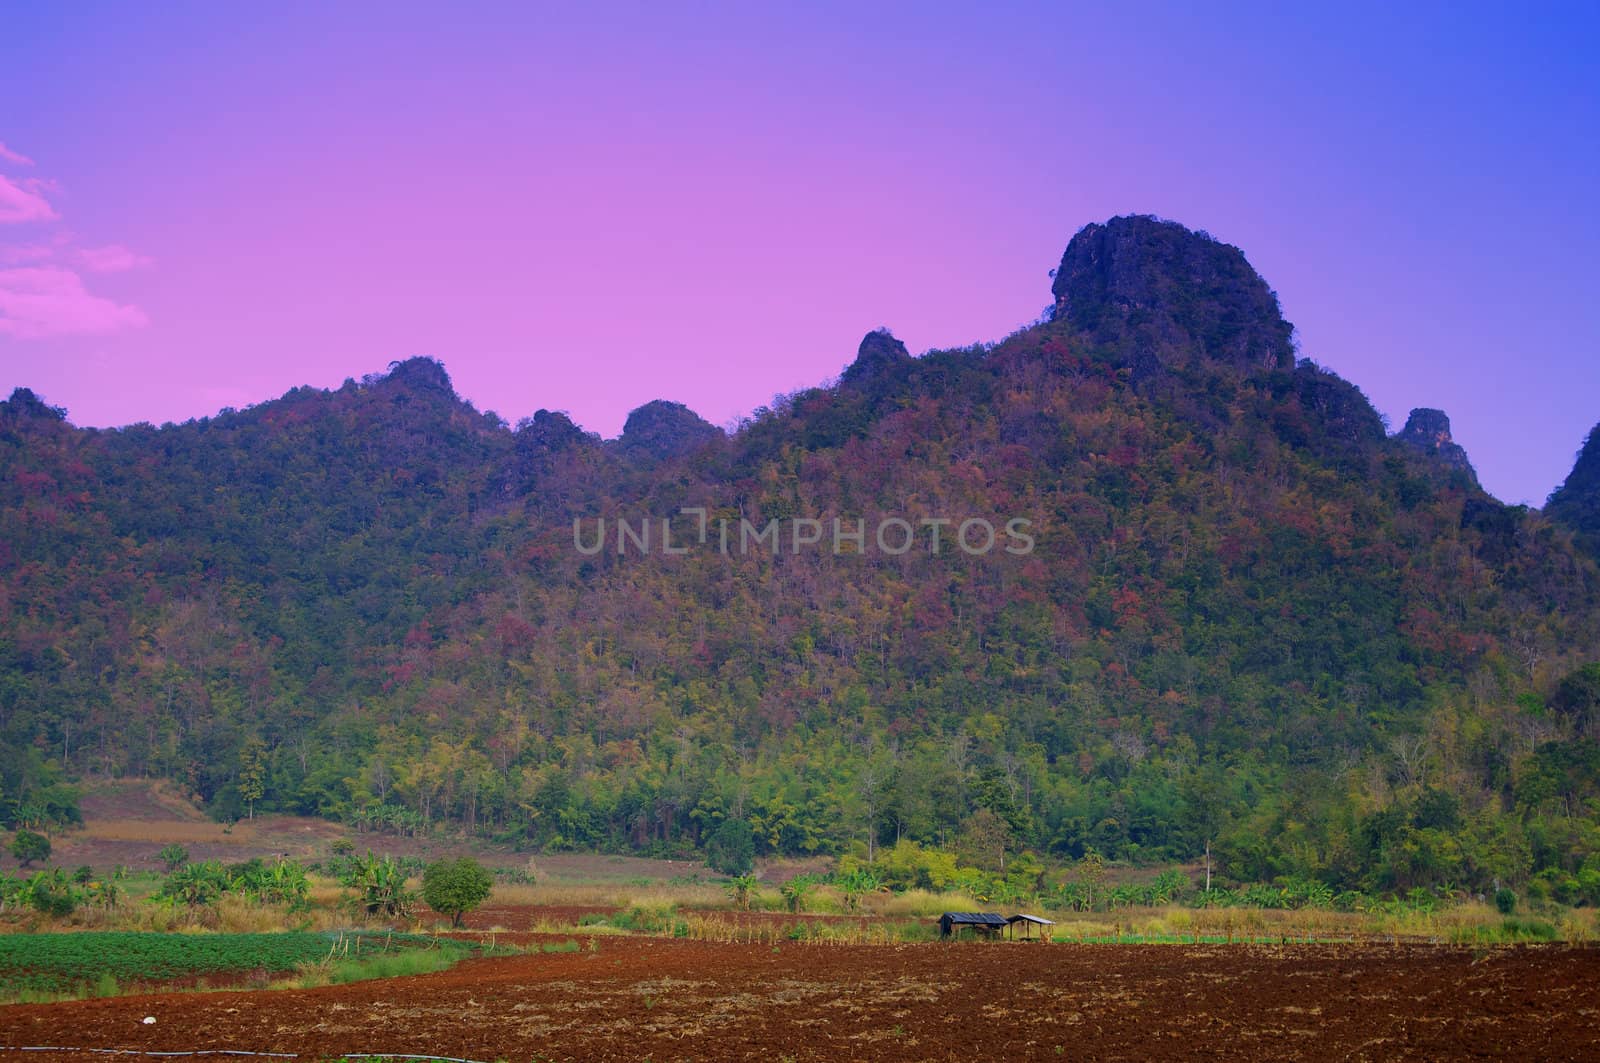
380,884
1527,930
526,875
644,918
731,849
173,857
195,885
455,887
281,882
50,893
1505,900
29,847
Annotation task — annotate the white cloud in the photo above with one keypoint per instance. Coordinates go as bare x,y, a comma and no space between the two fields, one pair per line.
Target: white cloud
23,200
112,258
41,282
42,301
26,254
7,155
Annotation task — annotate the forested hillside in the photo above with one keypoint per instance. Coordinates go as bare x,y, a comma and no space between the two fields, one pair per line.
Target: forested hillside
1250,616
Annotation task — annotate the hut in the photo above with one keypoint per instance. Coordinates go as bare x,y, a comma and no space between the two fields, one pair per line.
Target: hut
1026,926
987,923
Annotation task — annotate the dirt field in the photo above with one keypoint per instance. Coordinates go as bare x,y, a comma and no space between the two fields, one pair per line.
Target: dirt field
659,999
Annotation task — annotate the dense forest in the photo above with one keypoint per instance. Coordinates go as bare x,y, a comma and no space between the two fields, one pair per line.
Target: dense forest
1251,618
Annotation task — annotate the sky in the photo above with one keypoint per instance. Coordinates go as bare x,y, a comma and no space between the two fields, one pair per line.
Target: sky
586,207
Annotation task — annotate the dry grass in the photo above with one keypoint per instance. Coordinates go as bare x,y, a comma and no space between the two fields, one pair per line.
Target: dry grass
1581,927
1457,923
923,904
606,895
162,832
325,892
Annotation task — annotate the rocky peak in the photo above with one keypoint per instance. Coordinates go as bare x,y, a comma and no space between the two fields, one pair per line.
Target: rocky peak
878,353
24,404
1429,432
664,429
1159,294
549,431
420,375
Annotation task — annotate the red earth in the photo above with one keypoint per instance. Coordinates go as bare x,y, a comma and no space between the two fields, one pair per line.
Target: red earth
640,998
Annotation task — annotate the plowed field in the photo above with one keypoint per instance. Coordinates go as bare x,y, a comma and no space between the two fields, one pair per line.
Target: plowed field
660,999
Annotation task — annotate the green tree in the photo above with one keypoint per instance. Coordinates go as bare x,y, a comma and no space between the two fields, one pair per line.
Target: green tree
173,857
731,849
29,847
1578,695
455,887
985,836
797,891
856,883
380,885
739,889
252,774
50,893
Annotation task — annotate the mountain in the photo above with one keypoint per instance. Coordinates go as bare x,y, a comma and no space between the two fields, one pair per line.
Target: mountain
1215,603
1576,503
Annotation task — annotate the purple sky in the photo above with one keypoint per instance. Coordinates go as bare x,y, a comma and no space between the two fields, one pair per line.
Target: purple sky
588,208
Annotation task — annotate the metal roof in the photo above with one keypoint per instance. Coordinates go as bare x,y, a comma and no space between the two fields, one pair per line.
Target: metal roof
1024,917
974,918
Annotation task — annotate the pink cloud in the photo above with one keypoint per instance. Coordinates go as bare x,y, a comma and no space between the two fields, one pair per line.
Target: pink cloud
24,201
7,155
51,301
26,254
113,258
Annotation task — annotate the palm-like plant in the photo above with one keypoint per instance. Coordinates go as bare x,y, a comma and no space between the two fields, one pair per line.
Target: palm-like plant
740,887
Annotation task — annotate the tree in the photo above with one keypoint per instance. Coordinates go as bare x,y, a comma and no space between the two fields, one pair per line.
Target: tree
455,887
739,889
173,857
195,885
731,849
380,885
985,837
797,891
1578,696
29,847
856,883
252,774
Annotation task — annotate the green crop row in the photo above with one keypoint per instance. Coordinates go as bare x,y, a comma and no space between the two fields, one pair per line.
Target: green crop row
69,962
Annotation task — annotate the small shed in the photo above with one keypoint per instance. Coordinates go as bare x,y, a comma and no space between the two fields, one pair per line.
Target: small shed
1028,926
951,923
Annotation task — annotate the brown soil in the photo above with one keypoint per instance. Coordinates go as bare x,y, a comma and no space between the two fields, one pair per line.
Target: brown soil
637,998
